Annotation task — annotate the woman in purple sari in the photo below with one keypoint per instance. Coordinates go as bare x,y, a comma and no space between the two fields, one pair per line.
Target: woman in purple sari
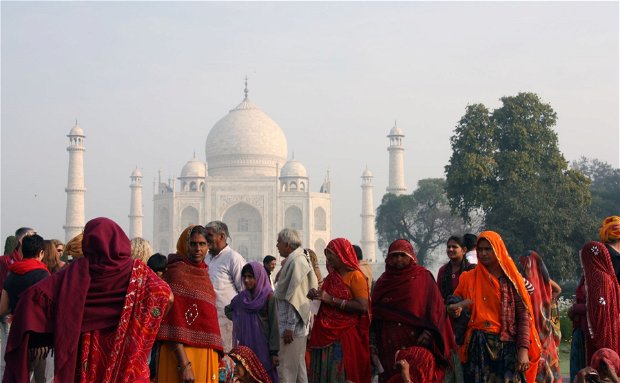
254,316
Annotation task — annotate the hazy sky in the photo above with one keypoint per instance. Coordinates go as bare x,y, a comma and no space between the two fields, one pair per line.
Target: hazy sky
148,80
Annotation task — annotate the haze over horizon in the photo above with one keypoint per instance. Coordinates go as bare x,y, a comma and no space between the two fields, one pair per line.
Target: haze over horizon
147,81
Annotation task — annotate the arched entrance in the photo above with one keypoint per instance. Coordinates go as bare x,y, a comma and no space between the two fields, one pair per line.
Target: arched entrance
245,225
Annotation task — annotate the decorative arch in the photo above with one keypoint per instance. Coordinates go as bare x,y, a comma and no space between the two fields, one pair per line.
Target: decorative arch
202,186
246,217
164,219
292,186
302,186
283,187
192,186
320,219
189,216
293,218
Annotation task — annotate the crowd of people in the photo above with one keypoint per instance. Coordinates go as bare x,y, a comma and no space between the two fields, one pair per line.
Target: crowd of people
103,308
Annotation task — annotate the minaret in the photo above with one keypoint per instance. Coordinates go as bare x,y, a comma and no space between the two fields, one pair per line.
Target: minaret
368,242
75,185
135,205
397,162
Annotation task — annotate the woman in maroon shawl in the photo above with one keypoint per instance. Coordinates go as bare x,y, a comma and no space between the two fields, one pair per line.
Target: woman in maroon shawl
602,299
190,332
100,314
339,349
408,310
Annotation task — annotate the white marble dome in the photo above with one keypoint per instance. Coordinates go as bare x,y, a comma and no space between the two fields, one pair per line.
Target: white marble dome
246,142
136,173
367,173
396,131
76,131
193,169
294,168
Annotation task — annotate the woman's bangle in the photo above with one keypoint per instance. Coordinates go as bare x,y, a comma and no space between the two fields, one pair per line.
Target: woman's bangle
181,369
343,304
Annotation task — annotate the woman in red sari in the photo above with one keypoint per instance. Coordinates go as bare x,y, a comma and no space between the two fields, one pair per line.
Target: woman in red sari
100,314
190,332
535,271
339,349
602,299
408,311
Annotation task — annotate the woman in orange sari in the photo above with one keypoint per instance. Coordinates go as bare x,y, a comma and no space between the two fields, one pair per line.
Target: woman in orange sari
339,340
190,332
501,342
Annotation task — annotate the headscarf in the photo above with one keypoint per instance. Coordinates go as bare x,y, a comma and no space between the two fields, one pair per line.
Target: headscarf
610,229
74,246
345,251
602,299
251,364
607,356
401,246
247,327
396,298
479,286
88,295
535,271
333,324
192,319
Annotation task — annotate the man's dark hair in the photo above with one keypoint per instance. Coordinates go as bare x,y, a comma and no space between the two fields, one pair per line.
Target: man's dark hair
268,259
469,240
358,252
157,262
32,245
19,233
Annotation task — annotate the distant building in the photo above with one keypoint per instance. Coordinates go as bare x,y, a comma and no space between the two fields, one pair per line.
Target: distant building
74,218
246,182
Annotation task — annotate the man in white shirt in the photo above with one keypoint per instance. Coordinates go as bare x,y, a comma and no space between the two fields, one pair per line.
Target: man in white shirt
225,266
469,240
294,282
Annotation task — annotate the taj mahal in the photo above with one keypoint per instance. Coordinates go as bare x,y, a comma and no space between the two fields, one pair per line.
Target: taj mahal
246,182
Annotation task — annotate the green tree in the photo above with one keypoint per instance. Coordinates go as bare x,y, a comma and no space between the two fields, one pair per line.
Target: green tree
507,164
605,187
423,218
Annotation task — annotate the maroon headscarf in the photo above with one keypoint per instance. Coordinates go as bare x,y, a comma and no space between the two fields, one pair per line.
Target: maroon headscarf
602,299
88,295
251,364
396,297
607,356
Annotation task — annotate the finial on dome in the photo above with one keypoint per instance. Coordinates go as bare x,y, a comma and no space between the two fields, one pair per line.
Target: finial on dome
246,87
394,123
194,154
76,122
293,155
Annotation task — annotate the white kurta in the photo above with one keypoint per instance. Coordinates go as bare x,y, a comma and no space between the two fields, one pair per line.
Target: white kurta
225,273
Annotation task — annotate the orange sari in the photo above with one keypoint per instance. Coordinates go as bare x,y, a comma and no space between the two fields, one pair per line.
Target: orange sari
484,291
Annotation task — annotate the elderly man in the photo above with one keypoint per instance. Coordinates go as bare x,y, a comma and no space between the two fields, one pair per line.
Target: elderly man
225,266
293,284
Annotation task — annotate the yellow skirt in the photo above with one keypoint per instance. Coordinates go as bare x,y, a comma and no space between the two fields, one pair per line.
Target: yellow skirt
205,364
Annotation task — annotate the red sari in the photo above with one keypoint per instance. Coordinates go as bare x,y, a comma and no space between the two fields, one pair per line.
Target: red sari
100,314
335,325
535,271
400,313
602,299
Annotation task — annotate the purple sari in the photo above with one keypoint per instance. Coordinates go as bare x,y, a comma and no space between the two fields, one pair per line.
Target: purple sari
247,327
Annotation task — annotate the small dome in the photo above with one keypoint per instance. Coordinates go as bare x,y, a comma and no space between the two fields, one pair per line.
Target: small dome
396,131
367,173
76,131
193,169
136,173
294,168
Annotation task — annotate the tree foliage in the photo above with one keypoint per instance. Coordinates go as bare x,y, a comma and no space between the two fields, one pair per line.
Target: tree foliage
423,218
507,164
605,187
